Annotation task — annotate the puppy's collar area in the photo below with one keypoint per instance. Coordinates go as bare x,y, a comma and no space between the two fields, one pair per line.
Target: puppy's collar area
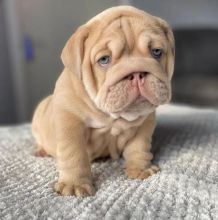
126,116
130,117
97,124
116,122
117,126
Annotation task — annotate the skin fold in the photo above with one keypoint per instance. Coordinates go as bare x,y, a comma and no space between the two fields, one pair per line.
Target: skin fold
106,106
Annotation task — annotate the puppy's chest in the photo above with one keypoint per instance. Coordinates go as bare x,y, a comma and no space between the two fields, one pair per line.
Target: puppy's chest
108,141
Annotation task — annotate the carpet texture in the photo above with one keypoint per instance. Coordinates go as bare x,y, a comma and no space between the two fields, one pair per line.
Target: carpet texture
185,144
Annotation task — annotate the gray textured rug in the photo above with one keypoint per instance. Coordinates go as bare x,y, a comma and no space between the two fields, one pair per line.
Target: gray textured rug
185,146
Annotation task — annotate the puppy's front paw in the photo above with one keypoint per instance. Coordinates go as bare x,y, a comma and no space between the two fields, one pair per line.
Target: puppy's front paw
137,173
82,190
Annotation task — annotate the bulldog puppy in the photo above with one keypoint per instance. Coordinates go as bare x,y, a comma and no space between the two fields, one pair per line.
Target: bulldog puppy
117,71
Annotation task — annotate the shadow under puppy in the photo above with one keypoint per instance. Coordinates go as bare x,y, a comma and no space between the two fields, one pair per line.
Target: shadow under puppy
117,70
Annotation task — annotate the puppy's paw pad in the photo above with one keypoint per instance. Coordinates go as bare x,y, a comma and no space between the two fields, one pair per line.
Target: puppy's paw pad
40,153
83,190
135,173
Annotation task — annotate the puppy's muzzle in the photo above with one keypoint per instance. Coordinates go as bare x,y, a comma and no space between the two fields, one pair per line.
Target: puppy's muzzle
136,78
133,68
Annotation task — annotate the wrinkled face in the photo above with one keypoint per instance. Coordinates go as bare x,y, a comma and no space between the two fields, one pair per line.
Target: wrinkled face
127,65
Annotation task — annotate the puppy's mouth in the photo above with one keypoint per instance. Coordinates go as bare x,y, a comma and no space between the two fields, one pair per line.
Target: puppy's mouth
138,88
135,87
134,92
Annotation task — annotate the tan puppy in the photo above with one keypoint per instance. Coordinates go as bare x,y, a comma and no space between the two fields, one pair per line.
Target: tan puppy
118,69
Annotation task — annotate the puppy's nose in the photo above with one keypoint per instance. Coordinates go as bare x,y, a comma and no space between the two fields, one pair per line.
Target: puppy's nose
136,77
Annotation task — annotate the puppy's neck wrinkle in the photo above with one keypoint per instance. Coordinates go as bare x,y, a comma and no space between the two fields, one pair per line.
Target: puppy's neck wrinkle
81,91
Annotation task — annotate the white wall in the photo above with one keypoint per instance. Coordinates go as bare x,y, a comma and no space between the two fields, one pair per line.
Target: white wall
49,24
15,48
7,113
183,13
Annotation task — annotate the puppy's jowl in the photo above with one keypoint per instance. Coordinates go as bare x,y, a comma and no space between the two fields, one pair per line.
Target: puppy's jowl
117,71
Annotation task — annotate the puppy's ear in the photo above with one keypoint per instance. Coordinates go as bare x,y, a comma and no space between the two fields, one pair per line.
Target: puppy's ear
73,52
171,47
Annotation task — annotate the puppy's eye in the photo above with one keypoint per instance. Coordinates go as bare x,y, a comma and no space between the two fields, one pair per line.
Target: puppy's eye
104,61
157,53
